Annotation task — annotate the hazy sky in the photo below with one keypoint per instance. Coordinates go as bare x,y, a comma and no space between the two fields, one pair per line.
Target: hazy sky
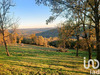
31,15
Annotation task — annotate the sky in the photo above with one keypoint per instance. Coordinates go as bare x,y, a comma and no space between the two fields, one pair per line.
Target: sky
32,15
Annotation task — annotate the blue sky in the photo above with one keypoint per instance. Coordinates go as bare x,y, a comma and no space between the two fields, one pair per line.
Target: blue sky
31,15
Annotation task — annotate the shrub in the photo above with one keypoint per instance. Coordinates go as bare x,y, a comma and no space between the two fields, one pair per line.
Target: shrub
26,41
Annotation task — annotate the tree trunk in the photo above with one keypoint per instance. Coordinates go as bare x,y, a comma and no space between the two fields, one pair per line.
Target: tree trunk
90,52
98,41
97,28
77,45
87,41
89,49
5,45
89,46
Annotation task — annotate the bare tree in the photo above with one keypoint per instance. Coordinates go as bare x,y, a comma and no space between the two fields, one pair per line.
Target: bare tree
5,21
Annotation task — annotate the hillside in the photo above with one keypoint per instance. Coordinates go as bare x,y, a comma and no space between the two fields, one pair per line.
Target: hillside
36,60
49,33
28,31
45,32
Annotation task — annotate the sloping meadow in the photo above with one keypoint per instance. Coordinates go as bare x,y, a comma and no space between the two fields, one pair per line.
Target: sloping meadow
35,60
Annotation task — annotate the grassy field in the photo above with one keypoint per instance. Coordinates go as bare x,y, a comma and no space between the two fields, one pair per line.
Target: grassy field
35,60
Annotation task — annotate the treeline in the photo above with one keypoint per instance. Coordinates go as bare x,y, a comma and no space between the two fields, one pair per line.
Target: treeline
67,38
38,40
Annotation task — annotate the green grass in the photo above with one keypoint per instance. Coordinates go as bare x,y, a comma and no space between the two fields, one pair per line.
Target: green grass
36,60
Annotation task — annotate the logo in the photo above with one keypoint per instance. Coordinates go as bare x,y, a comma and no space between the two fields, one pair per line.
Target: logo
91,60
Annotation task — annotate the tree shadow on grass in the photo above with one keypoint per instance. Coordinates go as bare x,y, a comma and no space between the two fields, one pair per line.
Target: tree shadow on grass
79,72
66,66
55,69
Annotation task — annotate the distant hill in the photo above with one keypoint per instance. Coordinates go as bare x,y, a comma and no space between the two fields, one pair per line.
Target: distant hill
34,30
29,31
49,33
54,33
45,32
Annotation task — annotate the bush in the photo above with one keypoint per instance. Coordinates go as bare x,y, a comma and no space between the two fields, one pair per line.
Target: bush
58,44
54,43
72,45
26,41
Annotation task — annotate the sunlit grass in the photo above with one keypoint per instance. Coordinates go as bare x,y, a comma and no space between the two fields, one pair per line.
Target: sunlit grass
35,60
